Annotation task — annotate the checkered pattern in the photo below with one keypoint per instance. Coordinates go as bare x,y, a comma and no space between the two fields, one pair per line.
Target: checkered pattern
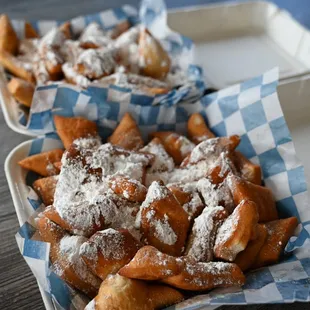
51,98
251,110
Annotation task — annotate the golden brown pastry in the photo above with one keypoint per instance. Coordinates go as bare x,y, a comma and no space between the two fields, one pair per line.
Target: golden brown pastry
45,188
278,234
128,189
72,128
164,223
21,90
248,171
127,134
182,272
247,257
42,163
210,149
177,146
199,276
108,250
154,60
188,197
8,37
67,263
118,292
202,237
17,67
262,196
151,264
30,32
234,235
197,129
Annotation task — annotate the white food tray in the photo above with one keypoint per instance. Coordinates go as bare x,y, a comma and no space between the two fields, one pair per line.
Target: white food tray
238,41
234,42
19,190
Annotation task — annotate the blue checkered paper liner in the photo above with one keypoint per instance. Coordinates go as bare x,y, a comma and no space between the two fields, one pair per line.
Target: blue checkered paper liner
251,110
153,14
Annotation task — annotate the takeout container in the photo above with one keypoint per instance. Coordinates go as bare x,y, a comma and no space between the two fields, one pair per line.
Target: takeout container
233,42
264,138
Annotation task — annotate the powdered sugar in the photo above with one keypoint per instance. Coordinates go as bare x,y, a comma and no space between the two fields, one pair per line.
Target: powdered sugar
94,34
97,63
186,145
54,38
204,151
227,229
84,199
162,163
69,248
155,192
74,77
201,240
109,242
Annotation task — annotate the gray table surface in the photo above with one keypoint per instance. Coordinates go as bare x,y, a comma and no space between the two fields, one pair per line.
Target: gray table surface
18,288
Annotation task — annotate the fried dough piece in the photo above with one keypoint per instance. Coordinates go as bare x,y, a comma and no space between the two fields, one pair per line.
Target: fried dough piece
118,292
154,60
119,29
72,128
278,234
223,166
210,150
164,223
70,266
51,213
199,276
16,66
248,171
127,134
42,163
30,32
21,90
93,36
108,250
262,196
214,195
162,163
51,233
177,146
188,197
151,264
162,296
247,257
45,188
67,264
96,63
8,37
235,233
197,129
74,77
128,189
202,237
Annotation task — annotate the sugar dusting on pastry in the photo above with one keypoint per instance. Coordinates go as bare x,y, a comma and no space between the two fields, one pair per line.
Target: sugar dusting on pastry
84,199
202,238
69,248
109,243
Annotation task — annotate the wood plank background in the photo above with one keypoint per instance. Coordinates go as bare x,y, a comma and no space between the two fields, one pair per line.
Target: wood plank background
18,288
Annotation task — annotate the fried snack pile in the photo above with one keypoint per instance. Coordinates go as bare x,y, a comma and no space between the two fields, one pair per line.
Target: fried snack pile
126,56
132,224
